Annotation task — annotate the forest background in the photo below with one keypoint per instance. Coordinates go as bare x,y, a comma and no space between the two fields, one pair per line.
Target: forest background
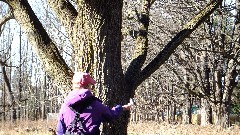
177,59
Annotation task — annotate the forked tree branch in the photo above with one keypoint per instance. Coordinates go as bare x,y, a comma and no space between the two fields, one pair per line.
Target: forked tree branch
6,18
3,20
177,40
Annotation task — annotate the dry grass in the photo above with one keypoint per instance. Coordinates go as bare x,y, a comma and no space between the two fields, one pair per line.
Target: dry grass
26,128
145,128
153,128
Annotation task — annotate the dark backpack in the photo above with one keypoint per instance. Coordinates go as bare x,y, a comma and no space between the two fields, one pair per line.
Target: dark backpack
75,127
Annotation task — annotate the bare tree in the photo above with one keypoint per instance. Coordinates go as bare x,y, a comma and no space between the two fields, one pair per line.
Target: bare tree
94,29
210,65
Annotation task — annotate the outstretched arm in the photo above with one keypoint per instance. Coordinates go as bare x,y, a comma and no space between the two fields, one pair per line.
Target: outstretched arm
111,114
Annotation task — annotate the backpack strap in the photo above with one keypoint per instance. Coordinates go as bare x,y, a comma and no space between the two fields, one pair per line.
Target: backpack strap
77,108
75,127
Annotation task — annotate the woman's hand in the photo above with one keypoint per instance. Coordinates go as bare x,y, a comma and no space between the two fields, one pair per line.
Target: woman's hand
127,106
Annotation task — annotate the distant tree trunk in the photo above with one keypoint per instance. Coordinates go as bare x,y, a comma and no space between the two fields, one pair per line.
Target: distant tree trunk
20,75
9,92
204,110
168,113
4,101
36,95
173,105
174,112
190,105
44,97
210,118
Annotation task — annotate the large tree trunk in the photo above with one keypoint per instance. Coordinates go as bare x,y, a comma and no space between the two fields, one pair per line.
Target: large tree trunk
100,53
96,38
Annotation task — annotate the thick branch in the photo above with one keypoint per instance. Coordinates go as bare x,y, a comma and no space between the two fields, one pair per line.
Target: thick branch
6,18
176,41
65,11
46,50
140,52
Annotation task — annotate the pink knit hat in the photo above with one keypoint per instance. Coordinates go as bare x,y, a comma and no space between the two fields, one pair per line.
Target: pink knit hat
83,79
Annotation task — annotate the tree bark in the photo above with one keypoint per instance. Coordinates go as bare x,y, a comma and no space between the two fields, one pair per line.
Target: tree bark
97,50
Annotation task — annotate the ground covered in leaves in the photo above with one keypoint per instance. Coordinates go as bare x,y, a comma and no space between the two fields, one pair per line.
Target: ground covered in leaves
143,128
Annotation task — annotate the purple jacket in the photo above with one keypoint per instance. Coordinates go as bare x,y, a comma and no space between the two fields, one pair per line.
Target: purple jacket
91,116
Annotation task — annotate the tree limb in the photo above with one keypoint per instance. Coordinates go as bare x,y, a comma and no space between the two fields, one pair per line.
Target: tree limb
46,50
65,11
176,41
140,52
6,18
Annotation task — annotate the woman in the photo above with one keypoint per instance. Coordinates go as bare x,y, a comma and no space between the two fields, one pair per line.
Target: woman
90,109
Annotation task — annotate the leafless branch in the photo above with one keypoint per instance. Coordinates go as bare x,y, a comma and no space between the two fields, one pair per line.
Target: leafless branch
6,18
177,40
